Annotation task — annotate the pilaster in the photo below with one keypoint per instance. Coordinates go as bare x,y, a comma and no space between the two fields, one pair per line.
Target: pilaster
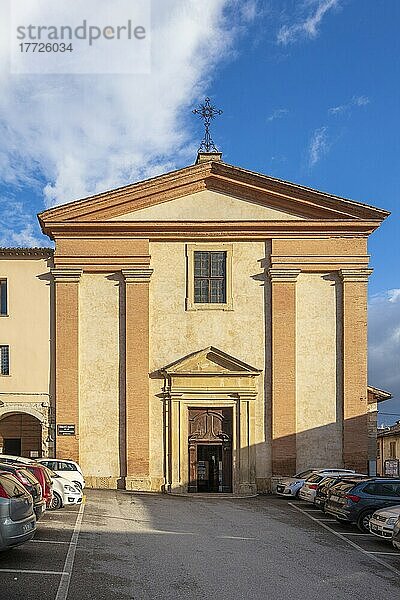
67,359
137,282
283,352
355,418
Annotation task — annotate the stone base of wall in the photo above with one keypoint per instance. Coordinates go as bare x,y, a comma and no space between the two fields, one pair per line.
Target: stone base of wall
264,485
144,484
102,483
156,484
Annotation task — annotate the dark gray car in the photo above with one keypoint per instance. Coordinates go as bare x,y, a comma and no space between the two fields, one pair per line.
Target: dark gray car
355,500
17,517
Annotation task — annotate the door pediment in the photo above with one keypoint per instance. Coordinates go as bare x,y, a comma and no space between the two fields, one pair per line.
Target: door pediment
210,361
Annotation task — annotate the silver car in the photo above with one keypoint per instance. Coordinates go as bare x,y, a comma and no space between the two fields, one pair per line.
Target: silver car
309,489
290,486
17,518
383,521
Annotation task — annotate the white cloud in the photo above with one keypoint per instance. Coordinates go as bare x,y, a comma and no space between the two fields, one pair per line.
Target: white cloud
249,10
17,227
86,134
278,113
319,145
384,345
307,22
356,101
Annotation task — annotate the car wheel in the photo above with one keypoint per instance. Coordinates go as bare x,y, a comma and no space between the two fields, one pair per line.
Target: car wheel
363,521
56,502
77,484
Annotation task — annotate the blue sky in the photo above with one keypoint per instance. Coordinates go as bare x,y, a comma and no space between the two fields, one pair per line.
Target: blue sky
310,93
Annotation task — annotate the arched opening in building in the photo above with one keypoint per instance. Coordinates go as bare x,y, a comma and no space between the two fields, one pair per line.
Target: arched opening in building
21,435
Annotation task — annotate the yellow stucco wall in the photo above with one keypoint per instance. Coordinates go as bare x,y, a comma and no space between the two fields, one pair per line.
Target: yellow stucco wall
27,328
99,375
318,407
176,332
207,206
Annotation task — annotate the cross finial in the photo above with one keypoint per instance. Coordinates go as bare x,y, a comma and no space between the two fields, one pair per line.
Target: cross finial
207,112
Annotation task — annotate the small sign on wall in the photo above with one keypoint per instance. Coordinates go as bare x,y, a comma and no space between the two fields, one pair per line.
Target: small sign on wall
34,454
392,467
65,429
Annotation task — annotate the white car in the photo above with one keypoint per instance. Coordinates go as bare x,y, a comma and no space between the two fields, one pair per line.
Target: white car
290,486
383,521
65,468
309,488
64,492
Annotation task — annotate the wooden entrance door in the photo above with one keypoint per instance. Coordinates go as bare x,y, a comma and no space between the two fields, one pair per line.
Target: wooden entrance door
12,446
210,450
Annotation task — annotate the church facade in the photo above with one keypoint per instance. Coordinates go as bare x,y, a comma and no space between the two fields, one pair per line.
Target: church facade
210,331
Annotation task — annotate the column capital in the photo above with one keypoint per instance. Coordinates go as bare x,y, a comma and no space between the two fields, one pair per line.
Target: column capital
283,275
66,275
139,274
359,275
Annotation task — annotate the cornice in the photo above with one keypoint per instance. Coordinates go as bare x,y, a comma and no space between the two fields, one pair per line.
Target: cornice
355,275
283,275
298,191
229,229
216,176
67,275
140,274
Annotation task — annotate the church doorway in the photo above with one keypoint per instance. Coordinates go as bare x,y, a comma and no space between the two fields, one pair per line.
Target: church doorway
210,450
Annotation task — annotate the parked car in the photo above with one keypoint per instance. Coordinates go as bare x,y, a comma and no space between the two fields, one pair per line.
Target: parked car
290,486
382,522
323,487
9,458
65,468
355,500
39,471
17,517
41,474
64,492
30,482
396,535
309,489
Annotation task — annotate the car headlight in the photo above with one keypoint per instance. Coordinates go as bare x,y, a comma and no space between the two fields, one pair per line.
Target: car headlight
392,521
70,488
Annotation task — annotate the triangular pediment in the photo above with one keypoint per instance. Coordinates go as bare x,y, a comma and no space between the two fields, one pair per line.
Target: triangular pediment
211,206
247,197
209,361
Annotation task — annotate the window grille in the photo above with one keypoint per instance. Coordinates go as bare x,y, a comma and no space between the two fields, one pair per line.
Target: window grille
5,360
210,277
3,297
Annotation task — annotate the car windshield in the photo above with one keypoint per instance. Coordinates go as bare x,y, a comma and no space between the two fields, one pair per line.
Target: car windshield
11,486
52,474
314,478
327,481
31,478
303,474
343,486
